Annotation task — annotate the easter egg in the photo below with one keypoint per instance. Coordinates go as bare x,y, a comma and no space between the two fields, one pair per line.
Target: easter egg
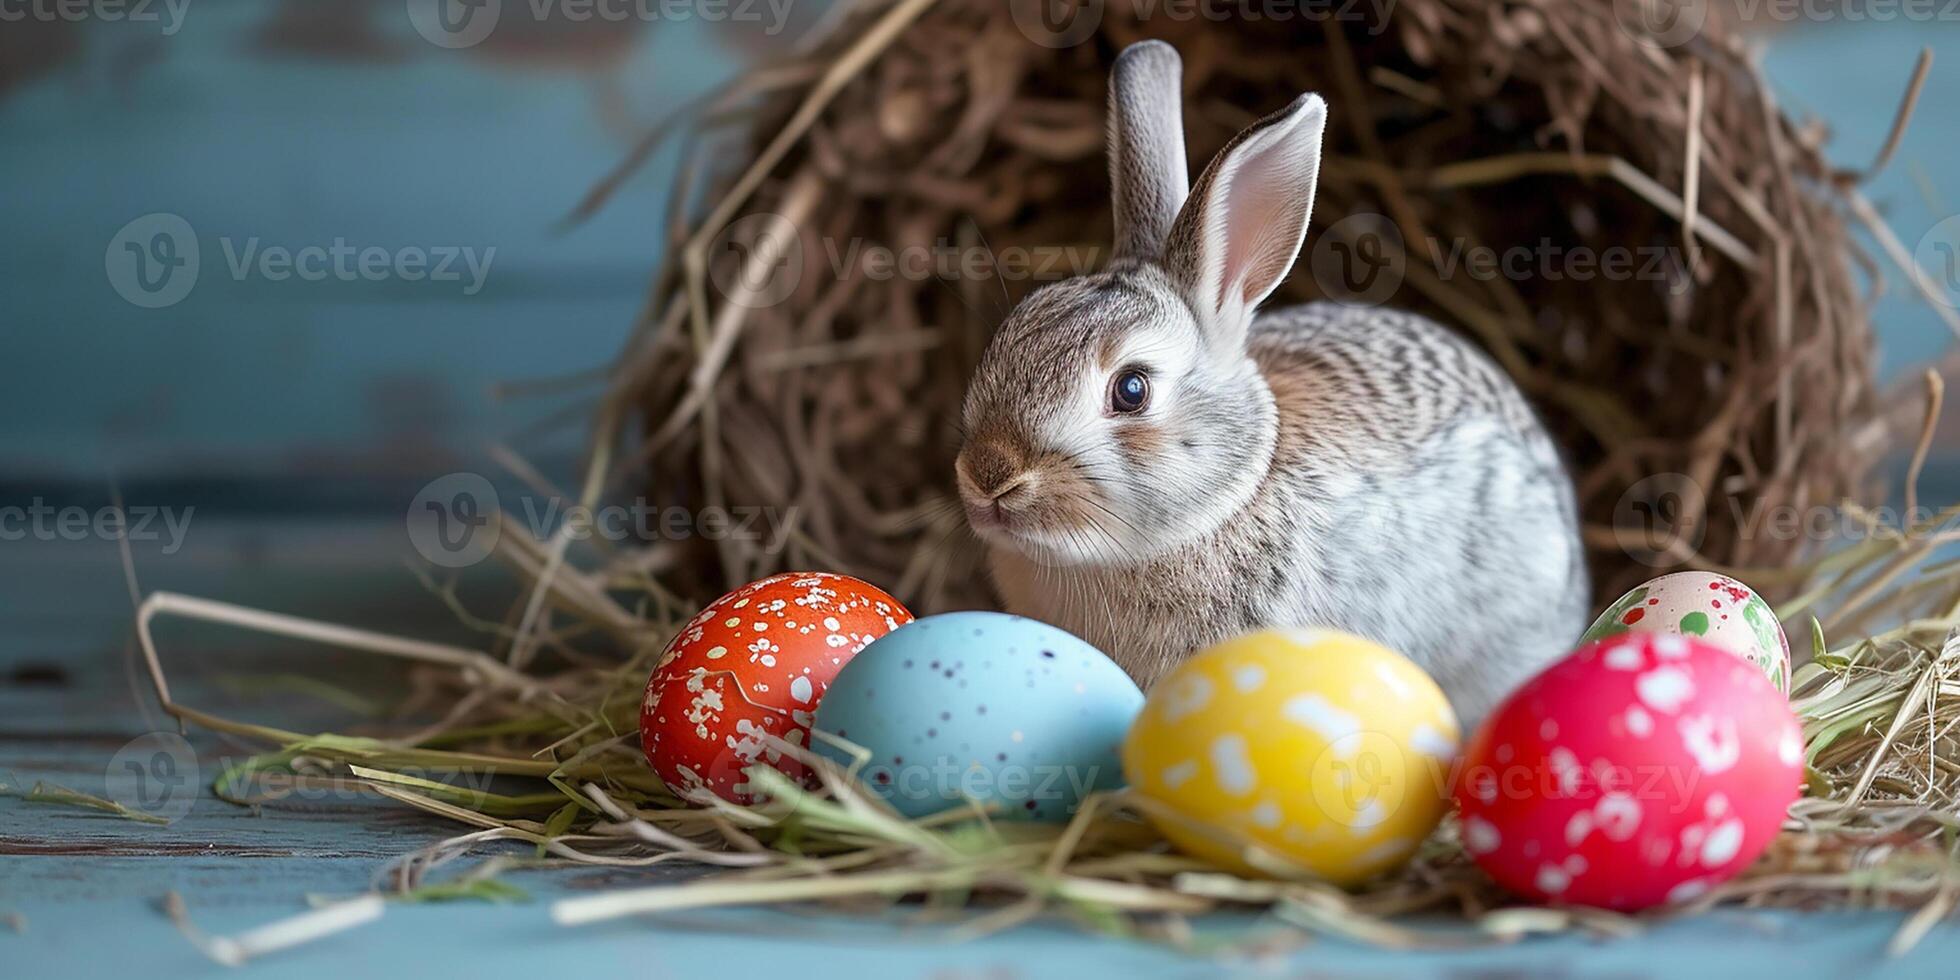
1001,710
1711,607
1641,770
755,662
1325,749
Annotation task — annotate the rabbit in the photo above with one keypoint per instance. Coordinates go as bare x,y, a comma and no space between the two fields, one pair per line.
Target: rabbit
1155,467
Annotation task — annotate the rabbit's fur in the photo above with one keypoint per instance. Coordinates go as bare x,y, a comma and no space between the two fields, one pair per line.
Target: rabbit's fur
1317,465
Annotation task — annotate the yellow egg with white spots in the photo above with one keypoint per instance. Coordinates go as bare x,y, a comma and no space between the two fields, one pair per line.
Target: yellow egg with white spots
1295,750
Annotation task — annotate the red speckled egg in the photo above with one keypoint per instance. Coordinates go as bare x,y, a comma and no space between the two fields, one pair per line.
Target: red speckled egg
756,661
1641,770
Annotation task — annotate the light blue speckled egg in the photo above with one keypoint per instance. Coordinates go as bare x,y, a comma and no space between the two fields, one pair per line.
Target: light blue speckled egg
986,706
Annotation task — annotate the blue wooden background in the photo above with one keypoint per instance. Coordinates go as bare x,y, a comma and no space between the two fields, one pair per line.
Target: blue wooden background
299,122
364,132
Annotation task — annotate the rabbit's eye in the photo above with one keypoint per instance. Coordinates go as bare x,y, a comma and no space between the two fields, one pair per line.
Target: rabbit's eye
1130,392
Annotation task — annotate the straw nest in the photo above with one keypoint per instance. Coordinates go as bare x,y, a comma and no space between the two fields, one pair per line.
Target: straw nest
1744,369
1672,280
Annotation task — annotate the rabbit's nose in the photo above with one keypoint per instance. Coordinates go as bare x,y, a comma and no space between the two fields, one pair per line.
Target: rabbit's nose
993,468
1011,494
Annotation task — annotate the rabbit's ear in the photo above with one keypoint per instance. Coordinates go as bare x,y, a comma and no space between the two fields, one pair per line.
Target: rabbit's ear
1147,172
1237,237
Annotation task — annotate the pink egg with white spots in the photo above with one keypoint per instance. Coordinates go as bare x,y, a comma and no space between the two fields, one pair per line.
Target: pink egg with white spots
1641,770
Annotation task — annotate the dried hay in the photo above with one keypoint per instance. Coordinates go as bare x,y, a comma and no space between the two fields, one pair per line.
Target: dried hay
1747,371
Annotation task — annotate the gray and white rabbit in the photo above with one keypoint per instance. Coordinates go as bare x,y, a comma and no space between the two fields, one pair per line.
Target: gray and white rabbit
1156,468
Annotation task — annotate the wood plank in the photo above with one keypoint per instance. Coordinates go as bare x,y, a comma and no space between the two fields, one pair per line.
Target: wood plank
77,876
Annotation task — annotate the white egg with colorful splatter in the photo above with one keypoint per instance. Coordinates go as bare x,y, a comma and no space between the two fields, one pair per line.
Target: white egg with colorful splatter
1003,711
1707,606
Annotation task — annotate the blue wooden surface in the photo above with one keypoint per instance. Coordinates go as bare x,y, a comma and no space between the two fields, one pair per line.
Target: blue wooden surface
408,146
87,885
419,147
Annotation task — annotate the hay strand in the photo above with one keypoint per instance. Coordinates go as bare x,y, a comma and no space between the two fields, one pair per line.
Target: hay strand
1740,365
